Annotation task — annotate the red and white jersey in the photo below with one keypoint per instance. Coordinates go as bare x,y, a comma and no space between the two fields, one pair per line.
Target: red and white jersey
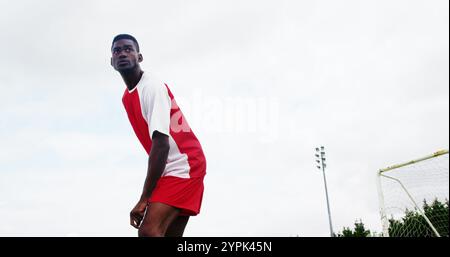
150,106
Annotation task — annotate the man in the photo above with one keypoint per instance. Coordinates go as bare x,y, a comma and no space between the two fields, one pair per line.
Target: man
173,188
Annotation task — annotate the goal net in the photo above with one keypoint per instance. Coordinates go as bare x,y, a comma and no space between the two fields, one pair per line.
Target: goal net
414,197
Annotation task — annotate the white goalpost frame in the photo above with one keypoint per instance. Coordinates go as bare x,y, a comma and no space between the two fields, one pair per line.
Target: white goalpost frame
384,218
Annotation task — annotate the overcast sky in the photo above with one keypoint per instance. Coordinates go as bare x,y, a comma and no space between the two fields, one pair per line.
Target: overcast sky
261,83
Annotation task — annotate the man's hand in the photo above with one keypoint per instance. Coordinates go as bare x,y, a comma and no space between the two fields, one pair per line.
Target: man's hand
137,214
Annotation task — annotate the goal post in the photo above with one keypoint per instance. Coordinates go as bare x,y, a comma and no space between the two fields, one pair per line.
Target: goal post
413,197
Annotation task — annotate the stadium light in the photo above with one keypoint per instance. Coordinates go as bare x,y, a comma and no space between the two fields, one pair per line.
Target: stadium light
320,155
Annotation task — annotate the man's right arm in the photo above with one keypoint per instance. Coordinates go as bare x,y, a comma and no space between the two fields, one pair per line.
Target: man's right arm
156,165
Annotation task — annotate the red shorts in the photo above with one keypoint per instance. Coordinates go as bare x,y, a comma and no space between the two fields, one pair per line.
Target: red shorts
183,193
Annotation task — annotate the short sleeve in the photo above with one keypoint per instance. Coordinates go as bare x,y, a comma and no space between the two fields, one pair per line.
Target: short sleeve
158,109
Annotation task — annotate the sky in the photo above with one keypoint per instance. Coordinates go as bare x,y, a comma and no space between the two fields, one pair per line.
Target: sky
261,83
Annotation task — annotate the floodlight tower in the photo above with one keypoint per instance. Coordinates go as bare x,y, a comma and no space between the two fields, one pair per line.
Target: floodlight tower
320,159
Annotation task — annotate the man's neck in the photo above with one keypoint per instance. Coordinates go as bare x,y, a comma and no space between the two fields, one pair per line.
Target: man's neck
132,77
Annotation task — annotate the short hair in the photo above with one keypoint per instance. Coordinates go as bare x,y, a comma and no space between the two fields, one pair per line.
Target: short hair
126,36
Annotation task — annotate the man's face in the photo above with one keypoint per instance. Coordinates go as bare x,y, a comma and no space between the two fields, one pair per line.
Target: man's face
125,55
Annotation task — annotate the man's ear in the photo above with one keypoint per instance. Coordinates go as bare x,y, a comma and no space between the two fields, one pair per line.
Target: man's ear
140,58
112,62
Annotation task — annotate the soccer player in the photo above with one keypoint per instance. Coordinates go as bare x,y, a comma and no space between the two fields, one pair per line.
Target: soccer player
173,188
